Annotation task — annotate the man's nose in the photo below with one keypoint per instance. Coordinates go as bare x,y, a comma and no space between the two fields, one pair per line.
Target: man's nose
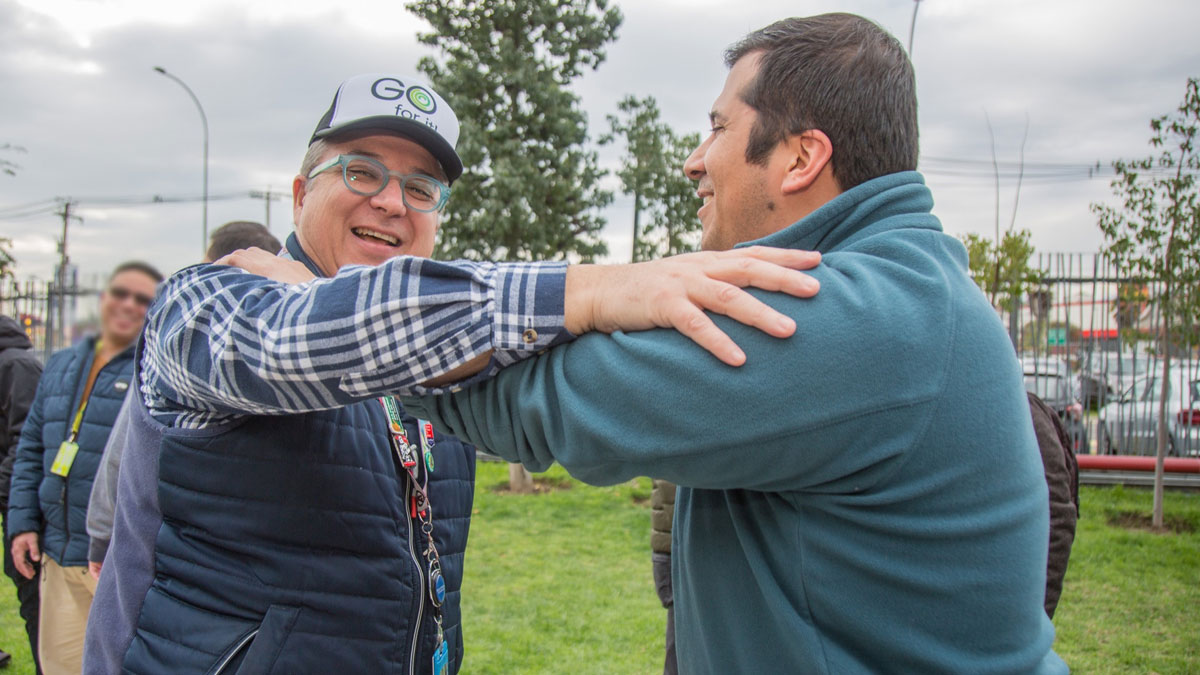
391,197
694,166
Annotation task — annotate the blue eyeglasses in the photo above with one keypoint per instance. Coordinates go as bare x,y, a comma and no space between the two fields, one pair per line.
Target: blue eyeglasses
368,177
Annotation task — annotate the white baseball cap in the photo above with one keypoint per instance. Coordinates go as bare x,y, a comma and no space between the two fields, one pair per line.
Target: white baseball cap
405,105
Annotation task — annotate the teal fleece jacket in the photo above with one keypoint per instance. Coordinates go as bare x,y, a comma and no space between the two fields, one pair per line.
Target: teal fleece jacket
865,496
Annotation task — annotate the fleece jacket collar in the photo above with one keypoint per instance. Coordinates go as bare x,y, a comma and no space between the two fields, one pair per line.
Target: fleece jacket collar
901,199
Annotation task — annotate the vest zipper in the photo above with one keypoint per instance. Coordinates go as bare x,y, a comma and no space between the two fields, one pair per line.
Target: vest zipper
237,649
66,508
420,590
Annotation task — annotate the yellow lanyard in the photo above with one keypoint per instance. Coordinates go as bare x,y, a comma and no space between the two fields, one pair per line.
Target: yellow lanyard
87,395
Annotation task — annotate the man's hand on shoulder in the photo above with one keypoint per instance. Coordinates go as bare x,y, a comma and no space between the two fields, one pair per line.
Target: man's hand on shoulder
269,265
674,292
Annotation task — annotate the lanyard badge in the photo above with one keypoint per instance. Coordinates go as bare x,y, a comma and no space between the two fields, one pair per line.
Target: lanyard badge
426,428
65,458
408,455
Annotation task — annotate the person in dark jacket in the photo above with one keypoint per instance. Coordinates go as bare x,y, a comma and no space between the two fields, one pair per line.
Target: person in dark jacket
77,400
662,516
1062,481
19,373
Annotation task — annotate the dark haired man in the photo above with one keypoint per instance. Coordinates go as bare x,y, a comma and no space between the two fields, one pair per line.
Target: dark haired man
77,401
277,510
865,496
239,234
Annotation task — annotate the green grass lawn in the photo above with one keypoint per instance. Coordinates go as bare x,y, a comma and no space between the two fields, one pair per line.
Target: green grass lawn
560,582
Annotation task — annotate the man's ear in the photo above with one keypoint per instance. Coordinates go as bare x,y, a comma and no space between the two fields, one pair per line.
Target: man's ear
808,154
298,193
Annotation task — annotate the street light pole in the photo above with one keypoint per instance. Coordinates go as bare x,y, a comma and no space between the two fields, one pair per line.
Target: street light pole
912,28
204,119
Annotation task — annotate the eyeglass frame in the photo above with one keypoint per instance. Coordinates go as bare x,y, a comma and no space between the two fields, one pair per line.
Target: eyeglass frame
121,294
344,160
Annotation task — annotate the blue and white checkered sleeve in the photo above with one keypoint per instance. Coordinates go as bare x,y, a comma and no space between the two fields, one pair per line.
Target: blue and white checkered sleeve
221,342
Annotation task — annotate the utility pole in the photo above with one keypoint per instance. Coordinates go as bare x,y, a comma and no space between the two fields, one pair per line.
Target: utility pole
57,338
267,198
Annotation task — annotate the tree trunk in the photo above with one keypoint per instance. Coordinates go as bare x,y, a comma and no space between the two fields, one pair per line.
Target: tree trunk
519,480
1156,519
637,211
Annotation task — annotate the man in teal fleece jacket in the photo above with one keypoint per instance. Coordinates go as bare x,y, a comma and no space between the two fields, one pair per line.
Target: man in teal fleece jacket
866,496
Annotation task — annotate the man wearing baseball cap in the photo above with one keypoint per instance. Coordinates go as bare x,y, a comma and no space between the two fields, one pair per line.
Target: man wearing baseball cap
277,509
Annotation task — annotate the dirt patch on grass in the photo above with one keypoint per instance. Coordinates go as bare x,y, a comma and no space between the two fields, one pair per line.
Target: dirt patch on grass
541,485
1132,520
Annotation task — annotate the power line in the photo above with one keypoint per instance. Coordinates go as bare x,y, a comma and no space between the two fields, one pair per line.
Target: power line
46,207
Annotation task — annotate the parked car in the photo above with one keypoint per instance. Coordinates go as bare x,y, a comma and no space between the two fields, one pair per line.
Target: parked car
1130,424
1129,367
1051,380
1104,375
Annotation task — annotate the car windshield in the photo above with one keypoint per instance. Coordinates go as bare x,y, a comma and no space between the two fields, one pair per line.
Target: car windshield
1047,387
1143,389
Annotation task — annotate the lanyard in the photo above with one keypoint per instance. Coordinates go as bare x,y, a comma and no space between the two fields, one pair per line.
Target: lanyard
87,396
419,505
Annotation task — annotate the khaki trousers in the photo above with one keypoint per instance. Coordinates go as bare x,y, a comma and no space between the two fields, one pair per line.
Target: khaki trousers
66,597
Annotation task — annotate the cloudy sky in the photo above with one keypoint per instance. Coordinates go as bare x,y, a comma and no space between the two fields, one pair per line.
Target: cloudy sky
99,126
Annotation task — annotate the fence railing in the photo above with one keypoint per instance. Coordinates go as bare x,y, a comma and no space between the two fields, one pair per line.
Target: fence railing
1091,343
53,315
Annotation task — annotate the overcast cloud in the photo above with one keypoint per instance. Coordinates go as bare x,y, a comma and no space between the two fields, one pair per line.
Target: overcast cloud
101,127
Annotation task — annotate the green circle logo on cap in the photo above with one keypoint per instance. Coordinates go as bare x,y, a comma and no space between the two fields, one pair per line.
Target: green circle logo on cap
421,99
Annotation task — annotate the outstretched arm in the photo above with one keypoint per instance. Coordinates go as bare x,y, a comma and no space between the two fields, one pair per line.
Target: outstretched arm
220,342
668,293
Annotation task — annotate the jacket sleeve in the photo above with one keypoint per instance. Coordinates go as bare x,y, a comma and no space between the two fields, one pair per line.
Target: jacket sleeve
653,403
103,499
24,510
1061,477
18,386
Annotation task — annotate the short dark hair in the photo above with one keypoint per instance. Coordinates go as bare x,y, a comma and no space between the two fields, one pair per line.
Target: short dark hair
840,74
137,266
239,234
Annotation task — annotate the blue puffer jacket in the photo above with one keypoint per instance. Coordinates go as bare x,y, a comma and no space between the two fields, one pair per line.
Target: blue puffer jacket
41,501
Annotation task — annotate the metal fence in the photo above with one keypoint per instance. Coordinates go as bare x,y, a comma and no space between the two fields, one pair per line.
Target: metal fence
54,314
1090,342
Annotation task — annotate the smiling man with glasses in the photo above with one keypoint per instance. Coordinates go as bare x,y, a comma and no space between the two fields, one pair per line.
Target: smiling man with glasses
278,511
78,397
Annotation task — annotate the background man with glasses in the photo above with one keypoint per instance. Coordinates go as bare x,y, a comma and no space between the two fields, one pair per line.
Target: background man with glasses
277,510
77,400
232,236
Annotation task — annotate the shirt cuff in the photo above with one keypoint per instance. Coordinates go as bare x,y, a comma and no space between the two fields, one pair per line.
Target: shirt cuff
528,315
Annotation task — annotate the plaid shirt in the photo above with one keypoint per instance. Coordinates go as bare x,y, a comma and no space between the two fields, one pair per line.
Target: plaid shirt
222,343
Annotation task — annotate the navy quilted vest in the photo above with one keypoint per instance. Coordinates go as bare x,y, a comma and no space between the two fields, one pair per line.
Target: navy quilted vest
287,547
